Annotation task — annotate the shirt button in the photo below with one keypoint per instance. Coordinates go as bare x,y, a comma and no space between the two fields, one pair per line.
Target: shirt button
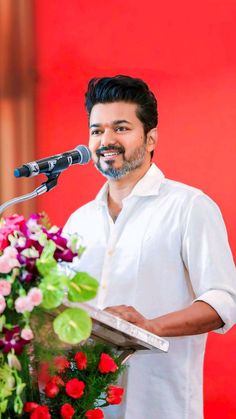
104,286
110,252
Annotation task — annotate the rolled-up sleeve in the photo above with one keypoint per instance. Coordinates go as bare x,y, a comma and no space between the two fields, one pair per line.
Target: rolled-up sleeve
208,258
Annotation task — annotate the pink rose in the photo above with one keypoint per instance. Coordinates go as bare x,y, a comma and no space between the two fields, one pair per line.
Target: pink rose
36,296
8,260
2,304
5,287
27,333
23,304
5,267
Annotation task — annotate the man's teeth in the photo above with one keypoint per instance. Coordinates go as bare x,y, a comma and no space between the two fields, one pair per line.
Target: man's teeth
112,153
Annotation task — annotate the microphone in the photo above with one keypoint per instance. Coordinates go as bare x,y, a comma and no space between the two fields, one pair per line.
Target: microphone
55,164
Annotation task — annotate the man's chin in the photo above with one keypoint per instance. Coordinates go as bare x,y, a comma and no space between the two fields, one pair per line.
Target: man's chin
111,172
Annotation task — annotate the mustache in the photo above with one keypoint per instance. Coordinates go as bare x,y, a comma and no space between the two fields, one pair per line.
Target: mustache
101,150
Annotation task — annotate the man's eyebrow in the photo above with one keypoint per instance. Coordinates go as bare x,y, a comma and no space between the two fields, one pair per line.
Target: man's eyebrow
116,122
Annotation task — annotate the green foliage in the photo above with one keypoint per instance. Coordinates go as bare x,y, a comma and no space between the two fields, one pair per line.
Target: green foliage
96,383
46,262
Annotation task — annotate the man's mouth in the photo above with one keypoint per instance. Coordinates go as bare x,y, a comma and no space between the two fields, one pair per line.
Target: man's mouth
109,153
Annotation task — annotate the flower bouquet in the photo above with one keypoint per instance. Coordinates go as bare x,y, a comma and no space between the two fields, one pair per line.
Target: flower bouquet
33,285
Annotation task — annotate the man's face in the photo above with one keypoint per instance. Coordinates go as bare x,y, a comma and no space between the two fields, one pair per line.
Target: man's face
117,140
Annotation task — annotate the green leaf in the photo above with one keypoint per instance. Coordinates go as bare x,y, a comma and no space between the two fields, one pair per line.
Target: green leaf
82,287
46,262
3,406
20,387
2,321
52,287
73,325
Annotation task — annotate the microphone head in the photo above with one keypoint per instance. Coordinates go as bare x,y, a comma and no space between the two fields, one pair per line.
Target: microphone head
85,154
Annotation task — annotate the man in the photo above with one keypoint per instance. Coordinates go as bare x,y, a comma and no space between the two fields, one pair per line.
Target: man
159,250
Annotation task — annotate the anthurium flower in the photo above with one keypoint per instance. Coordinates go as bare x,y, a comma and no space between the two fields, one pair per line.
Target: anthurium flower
107,364
94,414
81,360
75,388
67,411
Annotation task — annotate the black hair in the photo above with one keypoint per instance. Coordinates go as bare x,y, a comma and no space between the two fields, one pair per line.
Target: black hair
126,89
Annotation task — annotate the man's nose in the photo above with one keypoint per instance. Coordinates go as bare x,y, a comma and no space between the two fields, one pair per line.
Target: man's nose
108,138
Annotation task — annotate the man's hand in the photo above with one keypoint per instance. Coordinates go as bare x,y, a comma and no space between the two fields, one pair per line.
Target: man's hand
197,318
129,314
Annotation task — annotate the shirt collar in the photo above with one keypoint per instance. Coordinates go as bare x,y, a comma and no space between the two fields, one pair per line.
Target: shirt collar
148,185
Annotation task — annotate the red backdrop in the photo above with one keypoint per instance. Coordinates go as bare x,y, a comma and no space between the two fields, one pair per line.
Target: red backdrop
186,53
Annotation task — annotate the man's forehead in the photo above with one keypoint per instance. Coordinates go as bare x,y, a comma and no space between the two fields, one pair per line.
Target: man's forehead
113,113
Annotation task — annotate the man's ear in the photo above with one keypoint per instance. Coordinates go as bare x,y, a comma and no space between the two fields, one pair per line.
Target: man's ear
152,137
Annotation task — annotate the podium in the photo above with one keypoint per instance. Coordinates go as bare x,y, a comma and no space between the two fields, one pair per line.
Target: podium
125,337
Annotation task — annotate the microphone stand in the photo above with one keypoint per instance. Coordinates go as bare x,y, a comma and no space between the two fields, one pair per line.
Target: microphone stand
45,187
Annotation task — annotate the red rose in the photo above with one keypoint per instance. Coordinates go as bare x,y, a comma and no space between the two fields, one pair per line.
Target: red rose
61,363
44,375
95,414
51,390
75,388
67,411
57,380
107,364
114,394
41,412
30,406
81,360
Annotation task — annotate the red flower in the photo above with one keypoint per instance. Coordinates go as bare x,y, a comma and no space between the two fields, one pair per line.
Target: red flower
61,363
57,380
51,389
95,414
67,411
75,388
81,360
107,364
44,375
114,394
41,412
30,406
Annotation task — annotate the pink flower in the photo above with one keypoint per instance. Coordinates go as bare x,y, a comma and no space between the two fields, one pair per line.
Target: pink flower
36,296
5,287
27,333
8,260
23,304
2,304
5,268
3,241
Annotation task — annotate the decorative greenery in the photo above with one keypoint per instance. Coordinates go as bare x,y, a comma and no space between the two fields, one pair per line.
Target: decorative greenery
78,383
32,280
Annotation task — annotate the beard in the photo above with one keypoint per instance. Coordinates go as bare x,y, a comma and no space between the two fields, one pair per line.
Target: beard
129,164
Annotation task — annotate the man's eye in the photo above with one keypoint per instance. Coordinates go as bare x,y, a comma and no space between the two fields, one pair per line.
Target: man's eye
119,129
95,132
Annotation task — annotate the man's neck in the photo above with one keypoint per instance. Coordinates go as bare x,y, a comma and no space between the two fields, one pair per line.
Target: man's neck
121,188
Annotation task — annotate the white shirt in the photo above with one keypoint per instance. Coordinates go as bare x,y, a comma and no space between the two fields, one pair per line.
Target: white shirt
167,248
